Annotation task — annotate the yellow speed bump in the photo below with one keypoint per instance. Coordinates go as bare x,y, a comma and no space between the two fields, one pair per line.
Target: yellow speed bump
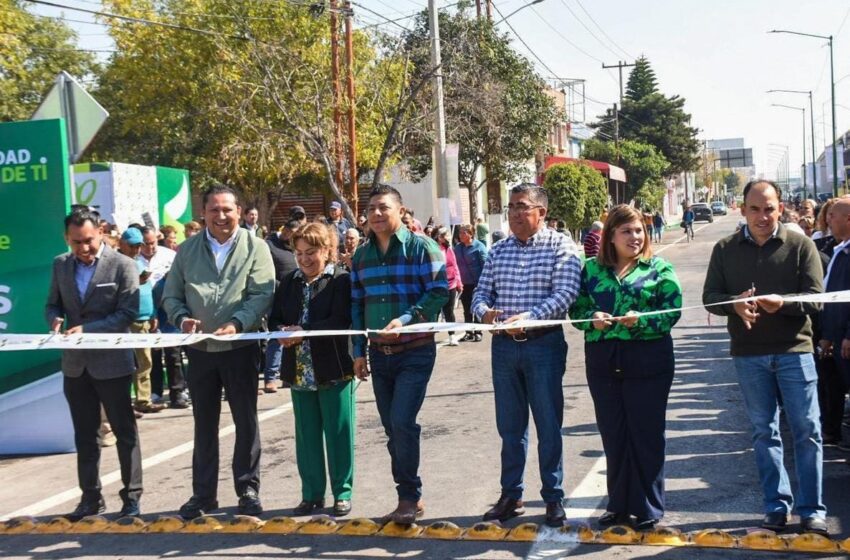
54,526
90,524
844,545
714,538
242,524
445,530
202,524
809,542
319,525
619,534
485,531
165,524
581,532
526,532
360,527
666,536
280,526
20,525
126,525
393,529
763,540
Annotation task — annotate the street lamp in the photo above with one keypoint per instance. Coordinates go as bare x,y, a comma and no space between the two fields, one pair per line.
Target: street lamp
812,117
524,6
832,88
803,110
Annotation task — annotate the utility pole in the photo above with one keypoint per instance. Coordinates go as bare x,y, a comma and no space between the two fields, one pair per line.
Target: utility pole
620,65
814,161
440,170
352,130
489,9
478,8
617,142
337,95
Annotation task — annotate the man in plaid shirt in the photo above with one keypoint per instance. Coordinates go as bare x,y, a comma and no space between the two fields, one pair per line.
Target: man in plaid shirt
533,274
397,278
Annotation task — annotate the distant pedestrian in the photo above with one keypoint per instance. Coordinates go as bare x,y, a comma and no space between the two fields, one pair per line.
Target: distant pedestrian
443,239
658,223
592,240
471,255
629,363
482,230
771,345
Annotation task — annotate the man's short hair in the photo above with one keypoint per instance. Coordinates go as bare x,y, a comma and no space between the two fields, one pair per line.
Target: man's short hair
536,193
218,188
596,226
79,216
755,182
382,189
292,224
252,208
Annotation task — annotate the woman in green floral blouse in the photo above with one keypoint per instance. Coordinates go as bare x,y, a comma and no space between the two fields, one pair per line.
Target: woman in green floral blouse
629,363
317,296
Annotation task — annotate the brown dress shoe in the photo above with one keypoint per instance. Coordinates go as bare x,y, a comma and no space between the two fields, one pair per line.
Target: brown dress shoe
270,387
406,513
504,509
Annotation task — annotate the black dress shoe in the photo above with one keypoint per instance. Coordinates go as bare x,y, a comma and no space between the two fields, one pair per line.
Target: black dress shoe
504,509
130,509
197,506
814,525
644,525
87,507
306,507
610,518
249,503
775,521
342,507
555,514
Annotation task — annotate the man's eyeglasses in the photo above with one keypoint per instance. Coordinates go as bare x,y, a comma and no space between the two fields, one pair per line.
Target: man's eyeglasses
520,208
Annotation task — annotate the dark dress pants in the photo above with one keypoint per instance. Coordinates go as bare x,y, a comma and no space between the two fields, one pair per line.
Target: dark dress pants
631,405
466,302
235,371
85,395
173,366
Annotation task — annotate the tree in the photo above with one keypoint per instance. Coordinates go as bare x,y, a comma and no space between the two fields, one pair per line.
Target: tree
33,50
644,167
648,116
249,102
496,106
577,193
642,81
731,180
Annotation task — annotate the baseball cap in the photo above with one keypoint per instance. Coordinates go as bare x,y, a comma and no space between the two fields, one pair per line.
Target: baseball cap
295,210
132,236
336,205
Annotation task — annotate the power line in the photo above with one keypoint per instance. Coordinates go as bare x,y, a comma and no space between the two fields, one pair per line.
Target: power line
521,40
580,5
600,41
564,37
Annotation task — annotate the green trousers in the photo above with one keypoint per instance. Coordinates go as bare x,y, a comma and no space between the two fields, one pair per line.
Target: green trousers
328,412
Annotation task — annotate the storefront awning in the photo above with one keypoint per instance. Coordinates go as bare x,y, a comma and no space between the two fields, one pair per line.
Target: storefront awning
612,172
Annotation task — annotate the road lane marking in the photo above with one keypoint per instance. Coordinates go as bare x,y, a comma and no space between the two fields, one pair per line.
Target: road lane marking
115,476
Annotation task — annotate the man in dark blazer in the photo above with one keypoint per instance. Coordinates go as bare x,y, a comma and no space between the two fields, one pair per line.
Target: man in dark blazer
94,289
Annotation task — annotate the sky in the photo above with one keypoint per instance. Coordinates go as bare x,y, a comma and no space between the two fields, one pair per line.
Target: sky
717,55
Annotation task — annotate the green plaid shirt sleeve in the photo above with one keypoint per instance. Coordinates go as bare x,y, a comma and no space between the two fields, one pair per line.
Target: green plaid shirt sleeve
410,279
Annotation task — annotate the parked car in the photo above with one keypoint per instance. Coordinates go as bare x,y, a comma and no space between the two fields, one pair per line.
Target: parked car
702,212
718,208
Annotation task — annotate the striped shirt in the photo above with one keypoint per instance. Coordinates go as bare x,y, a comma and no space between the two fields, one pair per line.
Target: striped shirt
539,278
407,283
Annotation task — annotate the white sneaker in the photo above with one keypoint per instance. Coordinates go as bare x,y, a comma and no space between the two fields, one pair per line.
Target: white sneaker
454,340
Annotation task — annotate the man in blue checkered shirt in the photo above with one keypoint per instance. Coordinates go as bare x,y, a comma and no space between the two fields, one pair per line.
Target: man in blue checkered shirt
533,274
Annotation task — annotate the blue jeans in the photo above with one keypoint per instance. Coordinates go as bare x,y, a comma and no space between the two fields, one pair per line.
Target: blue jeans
274,353
528,375
764,380
399,382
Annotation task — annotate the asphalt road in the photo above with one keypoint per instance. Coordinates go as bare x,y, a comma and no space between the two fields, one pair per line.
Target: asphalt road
711,476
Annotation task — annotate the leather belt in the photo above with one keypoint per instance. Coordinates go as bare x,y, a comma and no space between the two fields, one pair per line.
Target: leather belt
528,334
391,349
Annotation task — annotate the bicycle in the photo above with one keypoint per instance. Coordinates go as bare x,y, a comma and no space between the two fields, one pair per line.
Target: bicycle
689,231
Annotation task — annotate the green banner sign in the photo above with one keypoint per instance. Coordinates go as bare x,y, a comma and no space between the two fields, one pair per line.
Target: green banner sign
34,187
175,198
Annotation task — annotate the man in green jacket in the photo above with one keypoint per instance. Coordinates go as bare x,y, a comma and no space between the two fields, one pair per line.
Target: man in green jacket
771,345
222,281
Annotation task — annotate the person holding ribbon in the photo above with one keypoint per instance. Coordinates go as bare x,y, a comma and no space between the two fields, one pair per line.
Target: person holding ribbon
629,362
533,274
319,370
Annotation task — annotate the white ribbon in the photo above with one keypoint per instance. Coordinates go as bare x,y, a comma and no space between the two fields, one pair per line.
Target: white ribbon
103,341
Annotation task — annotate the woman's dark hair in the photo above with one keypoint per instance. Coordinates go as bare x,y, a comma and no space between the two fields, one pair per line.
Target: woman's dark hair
619,215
